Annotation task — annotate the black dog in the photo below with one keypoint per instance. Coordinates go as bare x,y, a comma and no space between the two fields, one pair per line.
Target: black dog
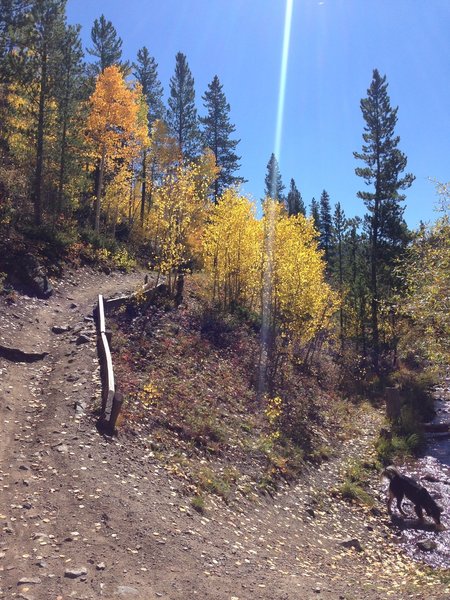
401,485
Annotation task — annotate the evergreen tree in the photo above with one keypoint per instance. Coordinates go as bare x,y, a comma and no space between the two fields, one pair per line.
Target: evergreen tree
295,202
42,35
182,115
12,15
69,92
146,72
314,212
384,166
107,45
274,185
216,133
326,225
339,230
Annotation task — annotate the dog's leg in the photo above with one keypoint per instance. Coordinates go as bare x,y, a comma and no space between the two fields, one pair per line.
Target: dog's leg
399,504
419,512
390,500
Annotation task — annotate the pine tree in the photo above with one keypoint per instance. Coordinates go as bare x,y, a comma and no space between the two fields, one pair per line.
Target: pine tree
146,72
384,165
182,114
43,33
107,45
12,15
273,182
326,225
339,231
69,94
314,212
295,202
216,133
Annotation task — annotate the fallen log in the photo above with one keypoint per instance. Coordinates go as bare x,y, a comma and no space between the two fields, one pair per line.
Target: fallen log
436,427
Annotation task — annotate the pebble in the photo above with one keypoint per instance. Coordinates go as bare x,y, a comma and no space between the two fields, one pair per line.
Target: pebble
74,573
28,580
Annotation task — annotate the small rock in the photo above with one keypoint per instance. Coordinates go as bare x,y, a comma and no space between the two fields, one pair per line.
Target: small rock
75,573
426,545
73,305
126,590
60,328
376,512
101,566
27,580
27,505
430,477
82,339
42,564
353,543
311,512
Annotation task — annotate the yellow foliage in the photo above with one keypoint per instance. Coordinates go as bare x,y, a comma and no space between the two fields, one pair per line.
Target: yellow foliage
427,277
298,301
116,125
177,216
273,266
116,133
232,246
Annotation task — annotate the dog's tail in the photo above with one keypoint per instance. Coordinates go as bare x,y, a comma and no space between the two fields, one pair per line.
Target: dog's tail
390,472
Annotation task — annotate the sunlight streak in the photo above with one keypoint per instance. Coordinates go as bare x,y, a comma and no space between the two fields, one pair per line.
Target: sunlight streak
283,76
270,214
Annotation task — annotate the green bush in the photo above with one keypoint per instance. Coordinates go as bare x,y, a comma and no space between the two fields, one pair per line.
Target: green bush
99,241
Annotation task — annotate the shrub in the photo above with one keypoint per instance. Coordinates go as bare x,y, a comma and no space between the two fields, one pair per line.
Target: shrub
198,504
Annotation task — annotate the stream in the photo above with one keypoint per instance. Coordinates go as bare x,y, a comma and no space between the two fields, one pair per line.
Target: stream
432,469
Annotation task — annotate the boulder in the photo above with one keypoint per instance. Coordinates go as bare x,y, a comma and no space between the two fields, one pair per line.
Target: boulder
32,277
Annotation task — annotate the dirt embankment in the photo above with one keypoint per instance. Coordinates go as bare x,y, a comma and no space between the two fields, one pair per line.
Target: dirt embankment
86,517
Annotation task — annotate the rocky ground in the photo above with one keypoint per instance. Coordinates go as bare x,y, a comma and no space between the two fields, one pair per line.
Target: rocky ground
83,516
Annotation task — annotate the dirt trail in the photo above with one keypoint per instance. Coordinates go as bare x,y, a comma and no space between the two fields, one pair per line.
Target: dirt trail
85,517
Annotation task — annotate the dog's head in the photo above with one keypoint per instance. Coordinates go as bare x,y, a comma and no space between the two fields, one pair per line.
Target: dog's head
435,511
390,472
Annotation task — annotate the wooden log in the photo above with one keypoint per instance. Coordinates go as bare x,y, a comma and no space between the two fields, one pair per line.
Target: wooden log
101,324
436,427
106,374
148,291
115,411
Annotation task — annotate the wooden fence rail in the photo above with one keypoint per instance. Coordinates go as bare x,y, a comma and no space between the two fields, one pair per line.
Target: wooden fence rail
111,398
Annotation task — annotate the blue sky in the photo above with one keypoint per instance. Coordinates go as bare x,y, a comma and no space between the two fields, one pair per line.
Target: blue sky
334,46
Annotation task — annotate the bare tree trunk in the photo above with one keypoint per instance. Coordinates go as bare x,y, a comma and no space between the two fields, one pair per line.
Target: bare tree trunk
37,185
99,190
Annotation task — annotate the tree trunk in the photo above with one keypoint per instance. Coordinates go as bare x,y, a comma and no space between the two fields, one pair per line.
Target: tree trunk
37,185
99,190
144,185
374,285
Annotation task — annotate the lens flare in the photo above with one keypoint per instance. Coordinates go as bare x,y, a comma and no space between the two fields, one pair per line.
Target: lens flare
270,213
283,76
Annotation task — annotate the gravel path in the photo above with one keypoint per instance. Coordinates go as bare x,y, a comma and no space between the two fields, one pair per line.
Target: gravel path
85,517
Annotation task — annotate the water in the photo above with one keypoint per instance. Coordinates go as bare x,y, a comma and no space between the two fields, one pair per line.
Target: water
433,471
